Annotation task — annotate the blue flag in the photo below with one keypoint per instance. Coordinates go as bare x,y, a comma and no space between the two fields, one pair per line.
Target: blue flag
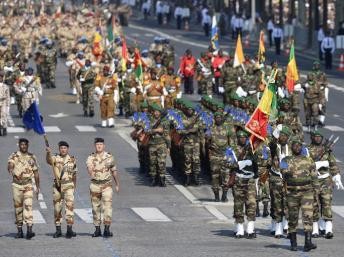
32,119
214,34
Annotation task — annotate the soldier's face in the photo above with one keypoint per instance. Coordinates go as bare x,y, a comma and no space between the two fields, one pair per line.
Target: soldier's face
63,150
23,147
296,148
282,139
100,147
156,114
317,140
218,120
242,141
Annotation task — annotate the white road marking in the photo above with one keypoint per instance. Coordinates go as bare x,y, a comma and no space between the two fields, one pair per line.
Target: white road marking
86,128
51,129
219,215
15,130
127,138
10,121
59,115
334,128
38,217
151,214
43,205
339,210
336,115
40,197
188,195
146,35
85,214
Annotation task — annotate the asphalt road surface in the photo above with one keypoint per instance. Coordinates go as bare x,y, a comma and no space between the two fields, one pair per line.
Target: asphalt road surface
157,222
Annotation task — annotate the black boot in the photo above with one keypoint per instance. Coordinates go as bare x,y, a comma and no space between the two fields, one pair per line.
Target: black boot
20,233
196,179
257,210
154,182
91,113
58,232
4,131
162,181
97,232
0,132
120,111
107,232
308,242
224,198
265,210
70,233
329,235
29,233
187,180
293,242
85,114
217,196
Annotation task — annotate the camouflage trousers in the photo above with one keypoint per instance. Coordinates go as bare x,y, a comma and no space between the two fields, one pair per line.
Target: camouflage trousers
87,98
205,87
312,113
101,199
296,200
263,187
143,157
278,198
18,98
3,116
107,107
219,172
22,198
244,194
49,74
192,162
66,194
157,159
324,199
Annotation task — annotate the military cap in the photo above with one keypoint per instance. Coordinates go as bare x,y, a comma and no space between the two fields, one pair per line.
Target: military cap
234,96
316,62
23,140
220,105
144,104
63,143
284,101
155,107
252,100
296,140
285,130
218,114
316,133
99,140
242,133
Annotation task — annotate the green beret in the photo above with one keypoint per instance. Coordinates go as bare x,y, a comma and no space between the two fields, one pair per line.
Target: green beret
144,104
296,140
253,100
285,130
316,133
284,101
242,133
155,107
217,114
220,105
234,96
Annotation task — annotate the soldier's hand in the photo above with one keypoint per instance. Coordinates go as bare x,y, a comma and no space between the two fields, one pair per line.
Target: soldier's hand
117,188
48,149
159,130
37,192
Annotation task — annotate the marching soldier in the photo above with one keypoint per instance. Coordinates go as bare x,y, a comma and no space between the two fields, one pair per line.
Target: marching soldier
23,167
49,64
204,75
65,170
301,180
328,173
107,91
155,91
171,83
101,167
4,105
86,76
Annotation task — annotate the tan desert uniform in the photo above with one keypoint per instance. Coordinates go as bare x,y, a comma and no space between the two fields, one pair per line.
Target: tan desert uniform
4,104
30,88
172,85
63,189
25,166
101,186
154,92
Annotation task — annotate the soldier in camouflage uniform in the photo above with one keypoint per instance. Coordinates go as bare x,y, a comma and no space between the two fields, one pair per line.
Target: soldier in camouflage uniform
64,167
204,74
4,105
244,166
328,174
101,167
158,145
87,76
171,83
23,167
218,140
301,181
230,77
49,64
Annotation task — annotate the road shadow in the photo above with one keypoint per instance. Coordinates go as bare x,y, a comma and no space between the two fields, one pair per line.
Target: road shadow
277,246
64,235
224,232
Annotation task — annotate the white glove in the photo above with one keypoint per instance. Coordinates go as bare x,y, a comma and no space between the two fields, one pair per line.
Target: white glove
179,95
93,64
221,90
82,79
69,63
326,93
321,164
133,90
244,163
119,79
23,89
241,92
213,80
306,85
99,91
205,70
116,96
280,92
276,132
338,181
320,106
251,92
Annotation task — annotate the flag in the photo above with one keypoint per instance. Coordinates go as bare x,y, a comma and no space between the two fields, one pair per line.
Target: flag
265,112
109,28
97,49
239,54
214,34
261,50
32,119
138,65
124,54
292,73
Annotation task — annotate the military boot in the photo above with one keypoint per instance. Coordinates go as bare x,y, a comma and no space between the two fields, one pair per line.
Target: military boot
0,132
257,210
4,131
20,233
162,181
85,114
187,180
265,210
97,232
308,242
120,111
70,233
224,198
91,113
154,182
217,196
107,232
29,233
293,242
58,232
196,179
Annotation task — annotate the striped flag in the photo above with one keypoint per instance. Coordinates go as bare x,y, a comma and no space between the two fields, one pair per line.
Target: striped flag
239,54
261,50
109,28
138,65
124,54
265,111
214,34
292,72
97,48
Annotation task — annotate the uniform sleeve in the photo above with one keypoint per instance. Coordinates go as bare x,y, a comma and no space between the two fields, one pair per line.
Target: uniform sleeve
89,162
11,159
34,164
334,170
313,173
167,137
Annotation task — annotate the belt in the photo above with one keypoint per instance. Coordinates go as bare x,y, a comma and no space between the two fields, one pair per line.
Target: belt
98,182
22,182
244,176
154,97
298,183
326,175
276,173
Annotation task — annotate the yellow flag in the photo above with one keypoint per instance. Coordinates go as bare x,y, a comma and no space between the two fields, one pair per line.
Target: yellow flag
239,54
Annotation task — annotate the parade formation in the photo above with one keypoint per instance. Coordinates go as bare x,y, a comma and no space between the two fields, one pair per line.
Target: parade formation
245,132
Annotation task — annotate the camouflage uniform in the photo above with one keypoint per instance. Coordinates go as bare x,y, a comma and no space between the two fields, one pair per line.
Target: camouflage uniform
49,64
87,76
230,77
204,78
29,87
4,107
25,166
